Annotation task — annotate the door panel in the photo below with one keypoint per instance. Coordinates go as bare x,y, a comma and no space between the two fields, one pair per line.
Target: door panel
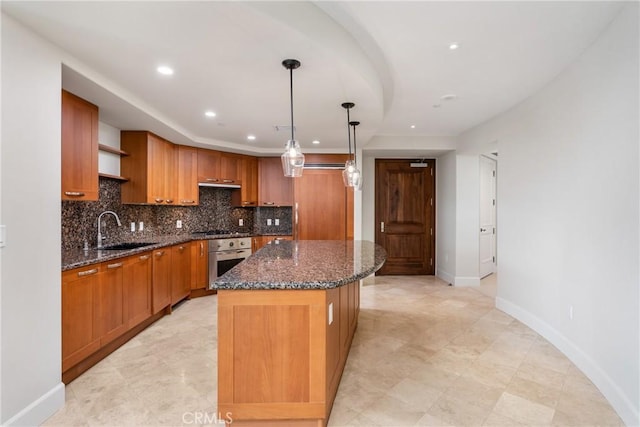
487,216
405,216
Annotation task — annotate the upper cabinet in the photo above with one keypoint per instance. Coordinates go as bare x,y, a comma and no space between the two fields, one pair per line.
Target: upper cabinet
274,189
150,167
215,167
187,176
248,175
79,148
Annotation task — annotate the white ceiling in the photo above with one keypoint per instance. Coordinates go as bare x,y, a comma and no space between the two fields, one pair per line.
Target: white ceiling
391,58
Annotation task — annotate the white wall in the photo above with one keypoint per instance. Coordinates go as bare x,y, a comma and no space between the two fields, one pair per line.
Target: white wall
108,163
30,193
446,217
569,212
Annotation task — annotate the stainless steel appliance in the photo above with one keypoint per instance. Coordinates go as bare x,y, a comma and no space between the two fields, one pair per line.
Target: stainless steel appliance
226,253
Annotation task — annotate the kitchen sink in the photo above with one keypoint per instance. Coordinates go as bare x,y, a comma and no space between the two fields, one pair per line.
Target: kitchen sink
128,245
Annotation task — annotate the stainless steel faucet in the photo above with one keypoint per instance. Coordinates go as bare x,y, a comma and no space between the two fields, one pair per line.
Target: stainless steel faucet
99,219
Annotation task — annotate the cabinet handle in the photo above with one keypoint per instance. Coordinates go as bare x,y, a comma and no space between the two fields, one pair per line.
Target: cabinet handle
159,253
181,248
211,179
144,257
169,200
201,249
382,227
116,265
187,202
74,193
269,203
248,203
227,181
88,272
158,200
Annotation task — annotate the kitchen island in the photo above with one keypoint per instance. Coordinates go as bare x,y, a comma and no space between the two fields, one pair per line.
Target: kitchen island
286,318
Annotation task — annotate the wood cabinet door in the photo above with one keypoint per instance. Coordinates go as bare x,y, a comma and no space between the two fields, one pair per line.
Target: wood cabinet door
137,285
80,330
161,279
325,206
199,264
248,174
180,272
274,189
187,176
208,165
79,148
111,312
229,168
161,185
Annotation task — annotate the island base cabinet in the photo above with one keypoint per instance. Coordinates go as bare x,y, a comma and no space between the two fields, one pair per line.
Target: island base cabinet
281,354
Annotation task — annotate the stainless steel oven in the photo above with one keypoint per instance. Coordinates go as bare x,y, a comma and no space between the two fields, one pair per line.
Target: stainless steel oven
226,253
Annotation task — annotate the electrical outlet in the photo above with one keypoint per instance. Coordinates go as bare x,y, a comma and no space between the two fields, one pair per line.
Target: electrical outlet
241,222
269,221
179,223
133,226
277,221
141,226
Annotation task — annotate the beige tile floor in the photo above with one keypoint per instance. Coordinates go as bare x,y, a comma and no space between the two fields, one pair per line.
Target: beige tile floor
424,354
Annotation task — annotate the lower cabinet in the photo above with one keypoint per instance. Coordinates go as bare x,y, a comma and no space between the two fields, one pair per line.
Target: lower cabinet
199,264
111,301
180,272
137,280
161,279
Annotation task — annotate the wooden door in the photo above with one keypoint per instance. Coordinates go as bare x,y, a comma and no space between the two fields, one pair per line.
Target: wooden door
274,189
161,279
405,215
487,216
188,194
199,264
111,303
79,148
80,329
137,284
324,206
180,272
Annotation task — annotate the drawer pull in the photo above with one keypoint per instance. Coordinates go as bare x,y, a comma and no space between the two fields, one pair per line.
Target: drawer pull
188,202
115,265
88,272
169,200
211,179
228,181
144,257
248,203
201,249
159,253
158,200
269,203
181,248
74,193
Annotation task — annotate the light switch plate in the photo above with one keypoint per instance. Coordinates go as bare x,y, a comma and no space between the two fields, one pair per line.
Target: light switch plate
141,226
277,221
133,226
269,221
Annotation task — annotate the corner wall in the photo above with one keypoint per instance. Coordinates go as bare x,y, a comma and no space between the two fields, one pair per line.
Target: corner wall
569,212
30,382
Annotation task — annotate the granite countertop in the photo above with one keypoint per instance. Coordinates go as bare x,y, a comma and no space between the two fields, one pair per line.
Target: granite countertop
74,258
305,264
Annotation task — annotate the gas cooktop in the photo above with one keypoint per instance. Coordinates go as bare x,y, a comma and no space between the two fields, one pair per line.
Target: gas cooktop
213,232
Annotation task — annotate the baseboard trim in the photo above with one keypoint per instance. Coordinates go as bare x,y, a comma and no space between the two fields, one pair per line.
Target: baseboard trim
40,409
445,276
610,390
466,281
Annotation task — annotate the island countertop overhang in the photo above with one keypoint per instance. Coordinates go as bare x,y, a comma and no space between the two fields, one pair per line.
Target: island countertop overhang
304,264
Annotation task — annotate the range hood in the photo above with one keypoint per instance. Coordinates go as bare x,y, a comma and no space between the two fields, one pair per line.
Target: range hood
219,184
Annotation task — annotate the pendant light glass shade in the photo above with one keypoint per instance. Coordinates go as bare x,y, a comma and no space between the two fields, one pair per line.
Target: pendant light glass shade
350,164
292,158
356,176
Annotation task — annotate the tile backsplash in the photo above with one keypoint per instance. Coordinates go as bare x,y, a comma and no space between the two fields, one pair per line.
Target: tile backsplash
79,219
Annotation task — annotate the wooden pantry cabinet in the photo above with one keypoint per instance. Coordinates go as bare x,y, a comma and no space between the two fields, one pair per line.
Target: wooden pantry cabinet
79,148
188,194
247,196
274,189
151,168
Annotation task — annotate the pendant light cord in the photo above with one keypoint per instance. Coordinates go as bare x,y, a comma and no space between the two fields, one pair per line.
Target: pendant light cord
291,91
349,132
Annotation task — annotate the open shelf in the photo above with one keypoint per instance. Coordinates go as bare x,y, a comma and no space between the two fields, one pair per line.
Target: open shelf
118,177
113,150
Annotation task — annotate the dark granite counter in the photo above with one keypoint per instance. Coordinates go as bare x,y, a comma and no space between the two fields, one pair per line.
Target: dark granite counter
74,258
305,264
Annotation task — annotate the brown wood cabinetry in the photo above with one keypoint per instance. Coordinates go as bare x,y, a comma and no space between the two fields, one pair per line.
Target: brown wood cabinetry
137,282
274,189
150,167
111,314
161,279
79,148
80,330
230,167
258,242
216,167
180,272
248,174
187,176
199,264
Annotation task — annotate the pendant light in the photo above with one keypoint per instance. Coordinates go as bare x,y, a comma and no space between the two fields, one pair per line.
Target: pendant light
292,158
356,175
349,166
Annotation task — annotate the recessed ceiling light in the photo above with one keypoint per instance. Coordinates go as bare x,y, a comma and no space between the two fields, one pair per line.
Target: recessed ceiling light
448,97
315,141
454,46
251,137
413,126
210,114
163,69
